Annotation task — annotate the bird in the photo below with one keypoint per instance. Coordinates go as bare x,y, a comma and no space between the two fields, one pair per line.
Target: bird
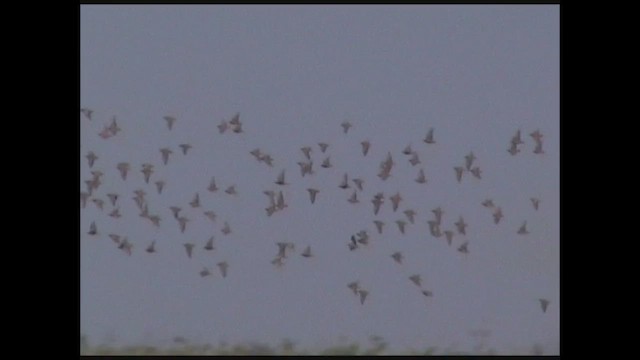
516,140
497,215
544,303
379,224
211,215
488,203
99,203
438,212
353,244
84,196
449,235
464,248
307,252
427,293
476,172
123,167
223,127
267,159
231,190
155,220
459,170
151,248
306,168
407,150
354,197
358,182
105,133
345,182
363,295
523,229
113,128
175,210
147,170
345,126
416,279
280,180
256,153
196,201
323,146
434,228
115,238
183,223
397,256
537,136
165,152
280,204
363,237
354,286
326,163
185,148
113,198
312,194
212,185
226,229
421,179
205,272
170,120
429,137
209,245
414,160
513,149
401,225
365,147
235,122
93,229
277,261
377,202
395,201
86,112
306,150
283,247
91,157
410,215
115,213
159,186
223,266
125,246
538,149
189,248
469,158
535,202
461,226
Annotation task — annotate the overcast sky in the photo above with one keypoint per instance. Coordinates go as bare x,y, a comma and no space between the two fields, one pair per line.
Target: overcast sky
476,74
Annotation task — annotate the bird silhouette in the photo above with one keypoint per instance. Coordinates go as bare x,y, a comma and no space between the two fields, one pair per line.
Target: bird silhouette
365,147
223,266
469,158
421,179
170,120
183,223
414,160
438,212
544,303
407,150
449,236
461,226
476,172
459,170
345,182
87,112
280,180
306,150
205,272
537,136
196,201
363,295
226,229
159,186
93,229
464,248
358,182
538,149
354,286
211,215
91,157
513,149
147,170
189,248
326,163
429,137
497,215
307,252
280,204
416,279
223,127
115,238
209,245
165,152
535,202
523,229
410,215
84,196
115,213
323,146
379,224
401,225
397,256
488,203
231,190
185,148
395,201
123,167
175,210
354,197
112,198
346,126
151,248
312,194
212,185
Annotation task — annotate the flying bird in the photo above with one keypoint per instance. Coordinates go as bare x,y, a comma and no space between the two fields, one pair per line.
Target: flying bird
226,229
189,248
429,137
235,122
185,148
267,159
414,159
280,204
307,252
459,170
397,256
461,226
365,147
212,185
345,126
170,120
113,198
323,146
535,202
113,128
421,179
377,202
476,172
326,163
196,201
231,190
434,228
211,215
513,149
125,246
205,272
86,112
379,224
115,238
516,140
523,229
99,203
488,203
115,213
256,153
438,212
165,152
363,295
84,196
155,220
427,293
93,229
395,201
147,170
183,223
469,160
401,225
538,149
280,180
123,167
354,197
223,127
209,245
345,182
410,214
159,186
537,136
306,150
497,215
416,279
449,235
91,157
544,303
175,210
407,150
464,248
354,286
223,266
151,248
358,183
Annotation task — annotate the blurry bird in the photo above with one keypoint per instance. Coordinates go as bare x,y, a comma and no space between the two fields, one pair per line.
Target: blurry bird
306,150
236,124
280,204
175,210
256,153
155,220
416,279
469,160
401,225
449,235
144,211
226,229
91,157
395,201
205,272
535,202
358,183
84,196
231,190
544,303
280,180
476,172
123,167
165,152
125,246
345,182
488,203
516,140
183,223
212,185
323,146
461,226
196,201
354,286
312,194
189,248
354,198
538,149
434,228
277,261
363,295
209,245
365,147
170,120
427,293
97,174
211,215
326,163
87,112
345,126
114,126
185,148
513,149
147,170
115,238
105,133
414,159
438,212
407,150
410,215
523,229
113,198
306,168
267,159
93,229
464,248
537,136
397,256
151,248
115,213
353,244
283,247
379,225
429,138
421,179
307,252
363,237
497,215
459,170
99,203
377,202
159,186
223,266
223,127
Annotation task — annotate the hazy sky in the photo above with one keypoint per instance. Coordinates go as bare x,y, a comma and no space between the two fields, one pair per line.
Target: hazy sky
476,74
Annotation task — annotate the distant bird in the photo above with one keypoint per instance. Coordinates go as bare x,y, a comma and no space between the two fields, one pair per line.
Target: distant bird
231,190
125,246
421,179
277,261
449,235
326,163
170,120
538,149
407,150
379,224
363,237
113,198
429,138
410,215
434,228
209,245
280,204
87,112
280,180
427,293
323,147
235,122
395,201
115,238
476,172
185,148
223,127
345,182
345,126
461,226
196,201
93,229
438,212
497,215
354,286
488,203
159,186
283,247
165,152
469,158
523,229
464,248
151,248
205,272
365,147
401,225
377,202
535,202
312,194
397,256
123,167
99,203
115,213
537,136
211,215
353,244
175,210
358,183
513,149
256,153
459,170
91,157
516,140
84,196
212,185
416,279
113,128
223,266
183,223
105,133
226,229
189,248
155,220
307,252
147,170
354,197
414,160
544,303
306,168
306,150
363,295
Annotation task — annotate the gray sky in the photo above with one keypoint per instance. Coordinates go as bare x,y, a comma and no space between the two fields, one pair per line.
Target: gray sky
294,73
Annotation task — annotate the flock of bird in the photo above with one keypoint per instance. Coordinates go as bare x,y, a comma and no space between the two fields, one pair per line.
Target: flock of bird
276,198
